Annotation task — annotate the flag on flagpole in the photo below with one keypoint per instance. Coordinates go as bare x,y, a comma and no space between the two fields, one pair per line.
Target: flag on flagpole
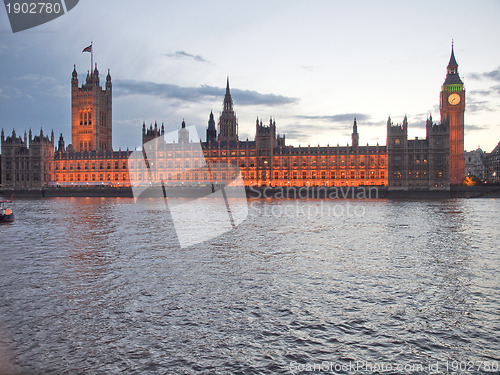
88,49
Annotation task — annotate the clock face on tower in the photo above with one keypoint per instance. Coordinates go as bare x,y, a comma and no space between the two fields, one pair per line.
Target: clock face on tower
454,99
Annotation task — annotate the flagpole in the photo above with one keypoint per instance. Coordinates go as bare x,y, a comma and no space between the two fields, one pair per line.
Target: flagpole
91,59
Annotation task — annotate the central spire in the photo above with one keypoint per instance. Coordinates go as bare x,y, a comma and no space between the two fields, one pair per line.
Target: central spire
228,124
228,101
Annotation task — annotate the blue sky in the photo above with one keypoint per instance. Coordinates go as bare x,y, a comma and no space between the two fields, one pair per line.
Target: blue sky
311,65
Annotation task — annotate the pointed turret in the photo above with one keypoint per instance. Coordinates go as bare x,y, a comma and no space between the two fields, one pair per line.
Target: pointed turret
60,146
183,134
108,81
453,61
355,135
211,130
96,74
228,124
452,77
228,101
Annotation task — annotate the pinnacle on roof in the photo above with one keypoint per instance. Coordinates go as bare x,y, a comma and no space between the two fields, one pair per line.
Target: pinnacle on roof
453,61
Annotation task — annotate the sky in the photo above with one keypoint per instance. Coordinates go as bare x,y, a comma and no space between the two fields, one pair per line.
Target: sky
310,65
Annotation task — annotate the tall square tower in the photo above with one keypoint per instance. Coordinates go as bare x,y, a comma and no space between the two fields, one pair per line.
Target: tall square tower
91,113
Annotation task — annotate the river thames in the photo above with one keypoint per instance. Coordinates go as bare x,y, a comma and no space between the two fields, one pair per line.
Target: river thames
101,286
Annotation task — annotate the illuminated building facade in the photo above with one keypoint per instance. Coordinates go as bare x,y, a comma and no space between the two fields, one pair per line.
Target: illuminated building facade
430,163
452,108
91,113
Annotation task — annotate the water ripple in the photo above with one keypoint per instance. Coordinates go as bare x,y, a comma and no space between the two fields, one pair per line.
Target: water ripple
101,286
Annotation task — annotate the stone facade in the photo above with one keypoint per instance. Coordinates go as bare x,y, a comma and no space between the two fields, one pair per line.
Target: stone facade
428,163
28,162
91,113
418,163
452,108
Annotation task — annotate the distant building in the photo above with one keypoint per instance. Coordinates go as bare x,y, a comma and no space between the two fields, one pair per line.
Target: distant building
492,165
475,164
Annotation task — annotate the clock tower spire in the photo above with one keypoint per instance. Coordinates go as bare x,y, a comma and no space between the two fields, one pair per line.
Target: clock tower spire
452,107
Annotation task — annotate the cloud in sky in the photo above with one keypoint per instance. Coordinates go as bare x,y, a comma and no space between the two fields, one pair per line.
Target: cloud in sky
196,94
493,90
307,129
342,117
479,106
493,75
476,127
185,55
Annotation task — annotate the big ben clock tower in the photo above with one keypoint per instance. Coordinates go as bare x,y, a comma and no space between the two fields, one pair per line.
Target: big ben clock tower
452,107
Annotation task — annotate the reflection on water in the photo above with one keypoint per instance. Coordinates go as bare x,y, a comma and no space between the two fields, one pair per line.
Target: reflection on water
101,285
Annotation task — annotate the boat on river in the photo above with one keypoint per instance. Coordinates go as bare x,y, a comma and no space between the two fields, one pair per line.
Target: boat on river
6,213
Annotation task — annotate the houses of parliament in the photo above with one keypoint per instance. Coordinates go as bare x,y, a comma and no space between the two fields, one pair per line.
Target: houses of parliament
436,162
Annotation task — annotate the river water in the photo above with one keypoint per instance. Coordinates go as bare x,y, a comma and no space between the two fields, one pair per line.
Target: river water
101,286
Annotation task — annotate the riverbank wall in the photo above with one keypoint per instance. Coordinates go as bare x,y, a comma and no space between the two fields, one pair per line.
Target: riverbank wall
304,192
